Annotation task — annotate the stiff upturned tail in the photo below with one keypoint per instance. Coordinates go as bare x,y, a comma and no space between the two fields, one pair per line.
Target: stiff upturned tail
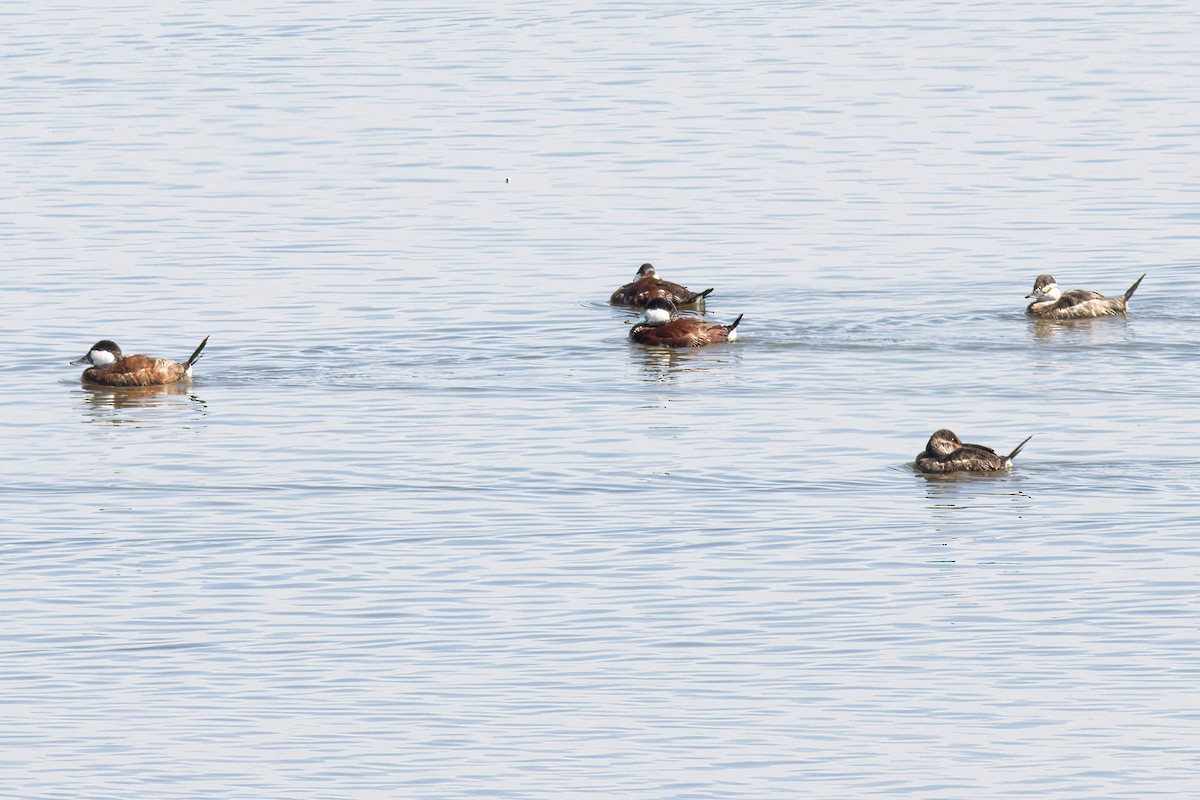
734,324
196,353
1129,293
1017,449
698,296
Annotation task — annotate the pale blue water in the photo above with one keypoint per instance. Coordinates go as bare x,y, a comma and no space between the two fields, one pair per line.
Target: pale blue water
427,526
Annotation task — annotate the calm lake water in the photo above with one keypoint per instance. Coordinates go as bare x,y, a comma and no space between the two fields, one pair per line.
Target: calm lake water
427,526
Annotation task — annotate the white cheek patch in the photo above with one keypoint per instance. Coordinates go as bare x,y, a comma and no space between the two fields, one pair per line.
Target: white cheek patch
657,316
102,358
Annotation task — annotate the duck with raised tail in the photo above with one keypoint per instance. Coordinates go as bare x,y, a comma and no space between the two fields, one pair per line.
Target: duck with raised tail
945,452
647,286
1051,302
661,325
108,366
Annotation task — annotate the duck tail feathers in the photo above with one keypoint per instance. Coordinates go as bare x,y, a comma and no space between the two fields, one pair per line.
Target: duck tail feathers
734,324
196,353
1129,293
1017,449
698,296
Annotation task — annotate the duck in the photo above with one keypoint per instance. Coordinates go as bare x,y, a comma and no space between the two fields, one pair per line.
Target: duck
110,367
1051,302
647,285
945,452
662,326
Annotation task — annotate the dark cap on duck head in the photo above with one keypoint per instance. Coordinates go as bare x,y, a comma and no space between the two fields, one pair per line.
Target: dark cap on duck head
943,442
658,311
103,346
1042,281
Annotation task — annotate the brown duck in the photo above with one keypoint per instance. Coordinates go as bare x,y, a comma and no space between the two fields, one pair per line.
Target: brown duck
661,326
1051,302
945,452
647,285
110,368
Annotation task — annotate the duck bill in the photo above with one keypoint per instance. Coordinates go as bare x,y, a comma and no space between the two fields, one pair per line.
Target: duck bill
79,362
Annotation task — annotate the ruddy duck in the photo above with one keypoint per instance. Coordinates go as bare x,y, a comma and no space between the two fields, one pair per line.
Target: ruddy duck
646,286
945,452
111,368
1051,302
661,326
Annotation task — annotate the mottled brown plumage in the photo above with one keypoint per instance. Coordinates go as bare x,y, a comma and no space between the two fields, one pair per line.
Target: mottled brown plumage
136,371
116,369
1051,302
946,453
647,286
662,327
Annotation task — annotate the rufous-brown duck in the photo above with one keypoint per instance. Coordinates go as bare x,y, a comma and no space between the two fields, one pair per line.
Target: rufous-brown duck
647,286
109,367
662,326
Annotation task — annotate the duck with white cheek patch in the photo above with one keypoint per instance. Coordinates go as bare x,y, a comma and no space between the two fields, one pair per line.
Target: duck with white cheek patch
660,325
1051,302
109,367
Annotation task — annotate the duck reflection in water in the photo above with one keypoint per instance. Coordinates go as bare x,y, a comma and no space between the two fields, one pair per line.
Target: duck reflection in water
947,497
666,364
1094,329
104,403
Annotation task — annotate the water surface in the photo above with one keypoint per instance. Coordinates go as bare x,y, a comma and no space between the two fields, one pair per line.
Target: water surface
427,526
